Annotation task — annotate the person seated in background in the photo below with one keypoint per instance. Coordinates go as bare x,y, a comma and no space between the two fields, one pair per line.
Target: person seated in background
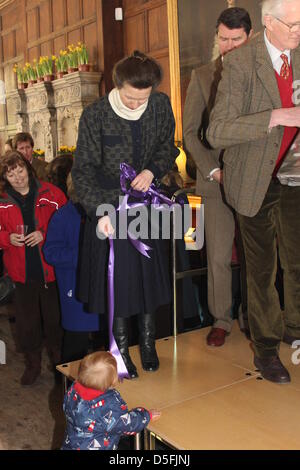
61,251
58,170
26,207
23,142
8,146
91,399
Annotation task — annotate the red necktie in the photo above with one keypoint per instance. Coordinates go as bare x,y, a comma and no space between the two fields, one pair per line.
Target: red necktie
285,68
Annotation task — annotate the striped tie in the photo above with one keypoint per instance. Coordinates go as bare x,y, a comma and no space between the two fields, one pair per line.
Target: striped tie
285,68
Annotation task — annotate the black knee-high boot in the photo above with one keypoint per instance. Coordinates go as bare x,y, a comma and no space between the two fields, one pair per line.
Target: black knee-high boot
120,331
149,357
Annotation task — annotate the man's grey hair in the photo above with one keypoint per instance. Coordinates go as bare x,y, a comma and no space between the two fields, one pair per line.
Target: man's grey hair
273,7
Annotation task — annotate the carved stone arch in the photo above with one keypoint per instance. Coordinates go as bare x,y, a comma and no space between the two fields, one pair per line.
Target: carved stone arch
50,111
67,130
36,130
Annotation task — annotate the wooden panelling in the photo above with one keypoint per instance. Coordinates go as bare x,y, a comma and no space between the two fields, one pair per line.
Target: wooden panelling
33,3
58,13
136,6
10,18
45,18
89,8
74,36
9,46
19,41
135,35
90,38
127,4
158,28
33,53
113,50
9,78
146,29
59,44
33,24
165,84
73,11
47,48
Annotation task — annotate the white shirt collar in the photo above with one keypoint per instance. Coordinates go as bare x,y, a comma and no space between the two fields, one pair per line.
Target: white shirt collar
121,110
275,54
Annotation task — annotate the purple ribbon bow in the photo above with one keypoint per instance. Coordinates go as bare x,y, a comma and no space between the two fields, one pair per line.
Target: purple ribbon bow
152,196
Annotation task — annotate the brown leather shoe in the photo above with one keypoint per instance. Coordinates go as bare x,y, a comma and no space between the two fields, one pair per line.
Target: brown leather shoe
289,339
271,368
216,337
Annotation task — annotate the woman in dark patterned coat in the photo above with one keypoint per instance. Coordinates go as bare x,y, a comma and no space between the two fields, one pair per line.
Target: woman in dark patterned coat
133,124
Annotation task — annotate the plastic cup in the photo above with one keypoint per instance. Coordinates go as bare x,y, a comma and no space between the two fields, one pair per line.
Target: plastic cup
22,230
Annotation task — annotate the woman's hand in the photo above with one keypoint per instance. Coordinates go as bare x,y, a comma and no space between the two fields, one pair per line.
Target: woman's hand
155,415
142,181
104,226
16,239
34,238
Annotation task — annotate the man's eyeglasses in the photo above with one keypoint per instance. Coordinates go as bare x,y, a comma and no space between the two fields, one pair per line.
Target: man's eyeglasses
293,28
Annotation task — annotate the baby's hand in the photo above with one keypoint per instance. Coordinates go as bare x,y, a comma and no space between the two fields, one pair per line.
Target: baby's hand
155,415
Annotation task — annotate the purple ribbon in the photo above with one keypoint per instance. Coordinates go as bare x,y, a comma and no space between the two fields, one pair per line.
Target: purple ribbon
152,196
122,370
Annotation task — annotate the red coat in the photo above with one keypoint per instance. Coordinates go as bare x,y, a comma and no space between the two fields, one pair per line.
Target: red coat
48,200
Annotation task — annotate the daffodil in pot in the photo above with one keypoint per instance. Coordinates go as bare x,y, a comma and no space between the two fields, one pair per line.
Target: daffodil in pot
65,150
61,64
83,58
72,59
22,77
38,153
39,70
31,74
48,66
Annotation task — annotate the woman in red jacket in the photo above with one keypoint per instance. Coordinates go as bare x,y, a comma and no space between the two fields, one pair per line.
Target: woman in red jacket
30,203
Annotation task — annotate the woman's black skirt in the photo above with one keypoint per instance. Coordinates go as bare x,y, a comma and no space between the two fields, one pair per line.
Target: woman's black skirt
141,284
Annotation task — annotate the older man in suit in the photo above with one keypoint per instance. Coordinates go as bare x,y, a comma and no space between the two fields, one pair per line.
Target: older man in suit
256,120
233,29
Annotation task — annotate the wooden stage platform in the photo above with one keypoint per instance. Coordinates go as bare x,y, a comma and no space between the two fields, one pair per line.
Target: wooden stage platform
213,398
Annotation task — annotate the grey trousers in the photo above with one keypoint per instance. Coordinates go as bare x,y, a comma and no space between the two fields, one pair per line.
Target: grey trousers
219,226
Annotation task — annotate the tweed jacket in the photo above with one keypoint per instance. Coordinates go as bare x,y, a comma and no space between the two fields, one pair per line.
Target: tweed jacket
247,94
105,140
199,102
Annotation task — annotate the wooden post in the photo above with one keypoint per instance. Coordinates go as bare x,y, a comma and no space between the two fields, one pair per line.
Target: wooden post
175,67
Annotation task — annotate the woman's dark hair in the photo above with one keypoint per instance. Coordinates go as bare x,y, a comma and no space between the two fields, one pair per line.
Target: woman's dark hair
58,171
235,18
10,161
138,70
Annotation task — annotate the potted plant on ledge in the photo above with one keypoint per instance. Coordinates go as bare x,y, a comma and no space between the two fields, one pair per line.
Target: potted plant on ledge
65,150
22,77
39,71
47,67
72,59
61,64
31,74
83,58
38,153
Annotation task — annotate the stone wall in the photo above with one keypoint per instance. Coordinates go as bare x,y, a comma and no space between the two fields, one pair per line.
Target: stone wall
50,111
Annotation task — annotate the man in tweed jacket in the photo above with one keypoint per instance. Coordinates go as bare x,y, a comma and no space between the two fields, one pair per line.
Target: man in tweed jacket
255,120
233,29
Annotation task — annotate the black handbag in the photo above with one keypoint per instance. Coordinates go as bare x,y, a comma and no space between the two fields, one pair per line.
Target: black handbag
7,288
